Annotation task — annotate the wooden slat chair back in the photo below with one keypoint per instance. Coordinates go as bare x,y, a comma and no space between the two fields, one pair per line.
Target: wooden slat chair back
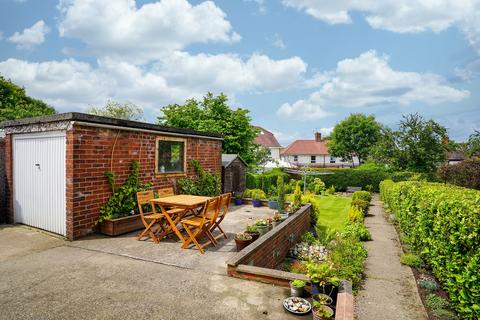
223,210
165,192
200,225
151,218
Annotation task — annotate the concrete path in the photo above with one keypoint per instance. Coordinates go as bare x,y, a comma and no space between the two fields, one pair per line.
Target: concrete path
389,291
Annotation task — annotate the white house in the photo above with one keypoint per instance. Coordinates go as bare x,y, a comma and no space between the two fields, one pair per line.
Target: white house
313,153
267,139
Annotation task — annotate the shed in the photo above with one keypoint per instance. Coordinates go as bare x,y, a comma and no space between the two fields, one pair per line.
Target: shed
56,165
234,170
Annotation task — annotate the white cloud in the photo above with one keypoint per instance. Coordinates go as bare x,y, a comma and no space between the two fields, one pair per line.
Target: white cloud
326,131
120,29
369,80
278,42
400,15
30,37
72,84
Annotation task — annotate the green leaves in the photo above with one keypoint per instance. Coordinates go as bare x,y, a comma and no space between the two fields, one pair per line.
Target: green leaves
442,223
204,184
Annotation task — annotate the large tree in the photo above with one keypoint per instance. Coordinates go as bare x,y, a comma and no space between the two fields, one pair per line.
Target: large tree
213,114
354,137
418,145
473,144
127,111
15,104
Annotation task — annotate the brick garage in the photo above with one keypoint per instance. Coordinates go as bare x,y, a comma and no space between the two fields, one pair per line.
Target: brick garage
95,145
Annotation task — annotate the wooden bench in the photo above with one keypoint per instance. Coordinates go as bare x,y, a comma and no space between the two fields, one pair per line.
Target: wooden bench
353,189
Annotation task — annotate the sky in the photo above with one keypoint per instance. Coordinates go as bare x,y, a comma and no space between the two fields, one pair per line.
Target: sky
299,66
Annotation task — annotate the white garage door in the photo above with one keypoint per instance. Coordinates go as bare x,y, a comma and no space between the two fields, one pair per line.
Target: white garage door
39,180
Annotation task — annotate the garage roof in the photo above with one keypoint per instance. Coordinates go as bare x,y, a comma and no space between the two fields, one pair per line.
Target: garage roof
93,119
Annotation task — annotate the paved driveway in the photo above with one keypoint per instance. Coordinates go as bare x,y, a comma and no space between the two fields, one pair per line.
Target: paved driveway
43,277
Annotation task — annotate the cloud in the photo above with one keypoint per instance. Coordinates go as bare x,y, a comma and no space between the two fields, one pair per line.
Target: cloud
120,29
72,84
326,131
369,80
277,42
262,8
400,15
30,37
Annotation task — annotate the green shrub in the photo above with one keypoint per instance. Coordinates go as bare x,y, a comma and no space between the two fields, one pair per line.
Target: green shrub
436,302
465,174
362,195
318,186
362,204
280,193
442,223
355,214
411,260
443,314
297,196
270,179
331,190
256,194
308,237
357,231
428,284
204,184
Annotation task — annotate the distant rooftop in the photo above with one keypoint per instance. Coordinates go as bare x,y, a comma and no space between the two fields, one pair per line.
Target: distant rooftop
318,146
266,138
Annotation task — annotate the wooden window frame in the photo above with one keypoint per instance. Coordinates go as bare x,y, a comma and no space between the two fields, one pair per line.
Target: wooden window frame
171,174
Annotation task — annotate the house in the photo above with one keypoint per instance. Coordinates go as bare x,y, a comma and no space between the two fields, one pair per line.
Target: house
234,173
267,139
56,165
313,153
454,157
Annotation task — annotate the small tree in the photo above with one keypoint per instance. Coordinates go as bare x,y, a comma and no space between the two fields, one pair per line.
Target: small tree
261,158
297,196
473,144
112,109
281,193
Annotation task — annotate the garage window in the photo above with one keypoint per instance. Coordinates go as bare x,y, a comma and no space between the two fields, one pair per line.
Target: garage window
170,156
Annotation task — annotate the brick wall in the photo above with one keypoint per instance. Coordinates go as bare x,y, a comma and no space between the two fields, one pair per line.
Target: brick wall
89,156
270,250
3,183
9,177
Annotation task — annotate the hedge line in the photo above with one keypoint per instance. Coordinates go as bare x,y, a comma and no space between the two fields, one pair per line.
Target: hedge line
442,224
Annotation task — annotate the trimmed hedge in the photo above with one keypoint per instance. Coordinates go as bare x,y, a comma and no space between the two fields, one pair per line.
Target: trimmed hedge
270,178
464,174
442,224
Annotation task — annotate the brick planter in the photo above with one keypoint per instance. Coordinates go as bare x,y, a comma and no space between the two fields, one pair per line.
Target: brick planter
120,226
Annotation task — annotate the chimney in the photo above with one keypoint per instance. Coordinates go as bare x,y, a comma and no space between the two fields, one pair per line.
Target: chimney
318,136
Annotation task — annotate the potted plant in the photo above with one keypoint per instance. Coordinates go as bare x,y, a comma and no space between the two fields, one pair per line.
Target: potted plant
269,223
252,230
323,298
321,312
238,200
242,240
273,203
297,287
276,219
262,226
256,199
323,278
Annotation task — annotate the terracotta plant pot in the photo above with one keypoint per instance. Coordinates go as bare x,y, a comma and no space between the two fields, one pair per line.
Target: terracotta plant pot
255,235
241,244
256,203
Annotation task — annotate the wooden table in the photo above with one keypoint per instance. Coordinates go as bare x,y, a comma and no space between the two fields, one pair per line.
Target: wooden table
186,202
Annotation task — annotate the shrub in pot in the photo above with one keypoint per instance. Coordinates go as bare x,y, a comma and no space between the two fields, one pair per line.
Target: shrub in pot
321,312
262,226
323,298
242,240
238,200
297,287
276,219
273,203
323,278
252,230
256,196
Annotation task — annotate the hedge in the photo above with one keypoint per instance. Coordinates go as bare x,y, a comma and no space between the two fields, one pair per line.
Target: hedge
442,224
465,174
254,180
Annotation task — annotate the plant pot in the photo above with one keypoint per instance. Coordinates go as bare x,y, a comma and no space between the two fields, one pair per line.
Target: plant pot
238,202
329,289
120,226
255,235
241,244
272,204
296,291
329,299
256,203
262,230
283,216
275,223
317,317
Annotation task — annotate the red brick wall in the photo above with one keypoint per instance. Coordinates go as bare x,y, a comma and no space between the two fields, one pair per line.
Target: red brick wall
269,250
9,177
89,156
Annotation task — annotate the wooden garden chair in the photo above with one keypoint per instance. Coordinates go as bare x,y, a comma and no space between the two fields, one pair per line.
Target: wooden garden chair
198,226
149,219
223,210
168,192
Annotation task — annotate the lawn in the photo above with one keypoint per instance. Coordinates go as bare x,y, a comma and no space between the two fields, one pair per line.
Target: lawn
333,211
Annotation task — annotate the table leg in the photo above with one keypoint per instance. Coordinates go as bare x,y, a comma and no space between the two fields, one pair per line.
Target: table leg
173,226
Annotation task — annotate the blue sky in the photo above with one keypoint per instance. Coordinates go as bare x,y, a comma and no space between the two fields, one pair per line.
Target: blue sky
298,65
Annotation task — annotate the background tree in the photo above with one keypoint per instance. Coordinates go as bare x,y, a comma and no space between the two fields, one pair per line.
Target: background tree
112,109
473,144
418,145
354,137
15,104
213,114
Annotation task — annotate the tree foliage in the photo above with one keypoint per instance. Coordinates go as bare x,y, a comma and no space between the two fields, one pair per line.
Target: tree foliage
213,114
473,144
113,109
418,145
354,137
15,104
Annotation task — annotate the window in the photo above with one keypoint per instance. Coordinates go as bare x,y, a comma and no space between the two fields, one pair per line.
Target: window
170,155
313,159
295,158
333,159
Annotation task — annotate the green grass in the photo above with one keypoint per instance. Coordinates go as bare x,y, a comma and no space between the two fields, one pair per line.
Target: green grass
333,212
